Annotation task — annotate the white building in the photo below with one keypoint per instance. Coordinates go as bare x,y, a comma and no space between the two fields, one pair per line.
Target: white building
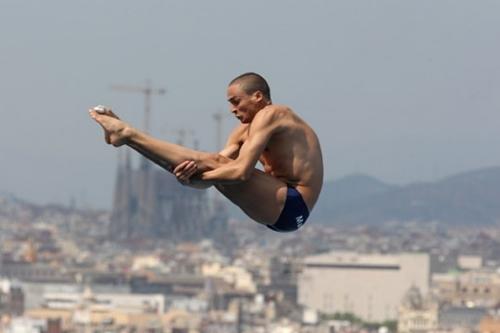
369,286
469,262
26,325
91,312
129,303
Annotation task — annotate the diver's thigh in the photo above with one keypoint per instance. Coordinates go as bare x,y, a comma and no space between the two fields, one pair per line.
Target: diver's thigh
262,197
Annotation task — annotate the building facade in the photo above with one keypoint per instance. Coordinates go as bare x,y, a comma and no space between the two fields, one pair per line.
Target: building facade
367,285
475,288
418,314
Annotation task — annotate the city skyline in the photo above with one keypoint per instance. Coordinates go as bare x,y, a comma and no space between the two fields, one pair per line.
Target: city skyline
401,91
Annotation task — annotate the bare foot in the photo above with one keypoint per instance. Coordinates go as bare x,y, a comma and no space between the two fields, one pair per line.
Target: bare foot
116,132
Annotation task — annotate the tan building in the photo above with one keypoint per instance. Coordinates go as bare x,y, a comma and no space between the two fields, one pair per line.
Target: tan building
115,320
471,288
490,324
367,285
99,311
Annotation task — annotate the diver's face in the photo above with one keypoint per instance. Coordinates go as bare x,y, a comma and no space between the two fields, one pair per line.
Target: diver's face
243,105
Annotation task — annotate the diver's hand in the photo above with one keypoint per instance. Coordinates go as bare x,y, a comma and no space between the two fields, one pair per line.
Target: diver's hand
184,171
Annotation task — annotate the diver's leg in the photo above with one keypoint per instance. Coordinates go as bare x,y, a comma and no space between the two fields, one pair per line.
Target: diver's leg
163,153
169,155
262,197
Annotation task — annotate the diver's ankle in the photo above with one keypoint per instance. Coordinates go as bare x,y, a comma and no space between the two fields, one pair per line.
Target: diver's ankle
129,133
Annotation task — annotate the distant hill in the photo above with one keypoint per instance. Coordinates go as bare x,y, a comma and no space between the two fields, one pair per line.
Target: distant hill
16,209
350,188
467,198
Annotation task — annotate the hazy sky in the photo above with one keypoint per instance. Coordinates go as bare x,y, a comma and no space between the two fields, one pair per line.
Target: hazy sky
401,90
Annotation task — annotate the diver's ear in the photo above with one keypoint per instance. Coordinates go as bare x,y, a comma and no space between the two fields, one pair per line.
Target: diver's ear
258,96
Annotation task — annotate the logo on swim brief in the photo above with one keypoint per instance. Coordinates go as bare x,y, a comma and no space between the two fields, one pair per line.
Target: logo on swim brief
300,220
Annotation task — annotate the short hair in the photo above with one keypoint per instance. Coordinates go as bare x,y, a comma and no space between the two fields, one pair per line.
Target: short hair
251,82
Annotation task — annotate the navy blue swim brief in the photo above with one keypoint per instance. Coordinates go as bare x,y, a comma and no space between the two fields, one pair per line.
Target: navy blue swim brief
293,215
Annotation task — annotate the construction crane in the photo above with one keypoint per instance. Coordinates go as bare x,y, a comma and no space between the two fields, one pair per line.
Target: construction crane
144,197
219,118
148,91
183,135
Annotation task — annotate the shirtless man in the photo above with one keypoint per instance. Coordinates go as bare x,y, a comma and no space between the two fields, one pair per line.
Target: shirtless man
283,195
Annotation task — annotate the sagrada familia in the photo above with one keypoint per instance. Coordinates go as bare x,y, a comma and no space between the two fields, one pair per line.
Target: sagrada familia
149,202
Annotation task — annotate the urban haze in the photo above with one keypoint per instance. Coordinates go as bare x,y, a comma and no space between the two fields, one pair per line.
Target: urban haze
402,94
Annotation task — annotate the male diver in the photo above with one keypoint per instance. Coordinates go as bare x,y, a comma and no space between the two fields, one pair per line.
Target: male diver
282,195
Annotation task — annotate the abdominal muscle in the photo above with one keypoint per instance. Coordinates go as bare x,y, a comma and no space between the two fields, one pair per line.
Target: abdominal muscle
302,180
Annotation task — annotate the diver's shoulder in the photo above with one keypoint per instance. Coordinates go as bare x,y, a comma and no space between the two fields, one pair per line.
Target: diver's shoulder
276,111
278,108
